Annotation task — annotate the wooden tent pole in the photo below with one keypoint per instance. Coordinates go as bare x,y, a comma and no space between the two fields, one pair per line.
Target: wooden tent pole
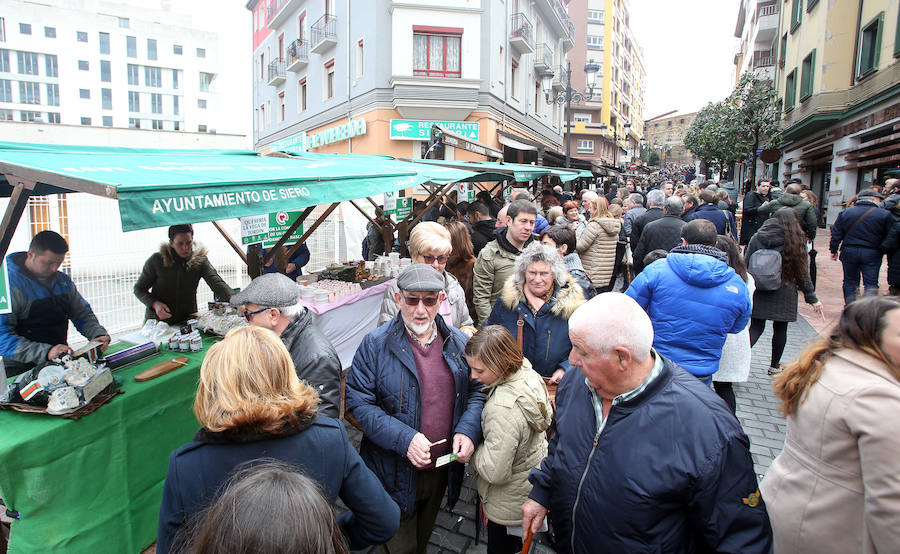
17,201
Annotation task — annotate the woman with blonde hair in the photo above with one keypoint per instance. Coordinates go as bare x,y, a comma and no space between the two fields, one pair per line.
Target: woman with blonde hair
251,404
835,487
514,422
462,261
430,243
598,245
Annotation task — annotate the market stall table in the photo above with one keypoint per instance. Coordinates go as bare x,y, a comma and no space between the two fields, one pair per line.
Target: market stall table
95,484
346,321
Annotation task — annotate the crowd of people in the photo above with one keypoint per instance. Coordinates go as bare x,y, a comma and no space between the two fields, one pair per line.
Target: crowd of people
584,372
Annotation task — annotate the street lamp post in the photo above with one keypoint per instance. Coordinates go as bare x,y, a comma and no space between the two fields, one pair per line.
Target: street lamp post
570,95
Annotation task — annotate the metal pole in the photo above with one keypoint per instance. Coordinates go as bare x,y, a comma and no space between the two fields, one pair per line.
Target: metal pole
568,111
615,150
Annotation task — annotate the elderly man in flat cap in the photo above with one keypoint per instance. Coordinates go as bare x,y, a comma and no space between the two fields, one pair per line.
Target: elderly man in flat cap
410,391
270,301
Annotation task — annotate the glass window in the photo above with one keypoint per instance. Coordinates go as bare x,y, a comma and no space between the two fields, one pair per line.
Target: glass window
107,121
106,98
105,72
151,48
790,90
3,31
437,55
29,92
134,101
206,79
201,128
176,125
124,23
84,93
175,107
83,65
6,90
157,124
133,73
4,61
329,81
807,73
104,43
51,65
152,76
796,14
870,47
201,104
585,146
131,47
6,115
81,36
201,52
50,32
175,79
52,117
34,117
85,120
177,49
156,103
134,123
595,16
28,63
594,42
24,28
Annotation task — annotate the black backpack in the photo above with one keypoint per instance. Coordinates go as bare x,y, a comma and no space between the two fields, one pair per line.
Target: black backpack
765,266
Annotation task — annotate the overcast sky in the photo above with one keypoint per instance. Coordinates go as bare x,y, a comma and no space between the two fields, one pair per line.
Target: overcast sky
688,52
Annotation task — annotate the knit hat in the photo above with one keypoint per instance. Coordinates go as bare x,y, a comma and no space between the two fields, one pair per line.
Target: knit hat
272,290
420,277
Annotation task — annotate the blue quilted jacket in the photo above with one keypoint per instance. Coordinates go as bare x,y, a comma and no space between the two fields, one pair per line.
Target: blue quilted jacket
383,395
694,300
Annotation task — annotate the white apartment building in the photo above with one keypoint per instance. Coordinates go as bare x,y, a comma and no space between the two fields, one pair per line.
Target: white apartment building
105,64
757,29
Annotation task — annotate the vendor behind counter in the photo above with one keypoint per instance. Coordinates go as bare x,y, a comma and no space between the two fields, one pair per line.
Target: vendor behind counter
168,283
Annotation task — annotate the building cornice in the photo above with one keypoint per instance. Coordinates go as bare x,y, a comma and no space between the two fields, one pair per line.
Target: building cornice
440,8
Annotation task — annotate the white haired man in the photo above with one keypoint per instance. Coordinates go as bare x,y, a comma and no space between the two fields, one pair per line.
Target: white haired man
270,301
642,453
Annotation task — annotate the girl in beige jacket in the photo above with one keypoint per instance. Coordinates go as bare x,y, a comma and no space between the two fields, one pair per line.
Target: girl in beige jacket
836,485
514,422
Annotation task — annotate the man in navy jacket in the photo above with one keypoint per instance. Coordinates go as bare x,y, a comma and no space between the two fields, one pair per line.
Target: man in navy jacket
643,457
858,233
410,391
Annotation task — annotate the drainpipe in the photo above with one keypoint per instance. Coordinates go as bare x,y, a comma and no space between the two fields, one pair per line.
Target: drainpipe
505,64
349,53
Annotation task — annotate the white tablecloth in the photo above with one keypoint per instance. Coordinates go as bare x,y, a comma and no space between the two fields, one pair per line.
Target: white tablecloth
346,322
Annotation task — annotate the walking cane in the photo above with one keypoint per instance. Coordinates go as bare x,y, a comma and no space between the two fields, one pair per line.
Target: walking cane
526,543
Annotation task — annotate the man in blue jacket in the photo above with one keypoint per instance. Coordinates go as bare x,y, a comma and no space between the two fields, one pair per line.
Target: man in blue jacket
694,299
858,233
43,301
643,457
410,391
722,219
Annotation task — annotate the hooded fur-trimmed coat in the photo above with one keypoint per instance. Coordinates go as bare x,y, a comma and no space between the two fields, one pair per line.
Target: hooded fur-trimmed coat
173,281
545,333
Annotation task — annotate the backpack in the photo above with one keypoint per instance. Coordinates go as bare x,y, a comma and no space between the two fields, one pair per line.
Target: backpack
765,266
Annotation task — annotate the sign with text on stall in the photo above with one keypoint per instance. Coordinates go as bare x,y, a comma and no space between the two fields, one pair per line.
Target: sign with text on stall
397,207
267,229
5,298
465,192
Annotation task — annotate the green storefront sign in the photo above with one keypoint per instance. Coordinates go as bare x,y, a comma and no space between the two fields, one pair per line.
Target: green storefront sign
420,129
397,206
5,298
268,228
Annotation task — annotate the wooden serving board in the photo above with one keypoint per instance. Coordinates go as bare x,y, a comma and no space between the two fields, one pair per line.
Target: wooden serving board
160,369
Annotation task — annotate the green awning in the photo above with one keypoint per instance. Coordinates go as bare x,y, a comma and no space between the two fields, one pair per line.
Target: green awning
164,187
500,171
437,174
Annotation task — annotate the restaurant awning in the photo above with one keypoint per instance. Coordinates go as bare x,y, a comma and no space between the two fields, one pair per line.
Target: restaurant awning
506,170
156,187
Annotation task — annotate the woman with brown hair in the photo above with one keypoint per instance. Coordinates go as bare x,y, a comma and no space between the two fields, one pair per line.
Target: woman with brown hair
514,422
571,217
462,260
598,245
268,507
251,404
836,487
783,234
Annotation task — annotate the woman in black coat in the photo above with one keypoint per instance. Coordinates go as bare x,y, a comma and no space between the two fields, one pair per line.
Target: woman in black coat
782,233
252,406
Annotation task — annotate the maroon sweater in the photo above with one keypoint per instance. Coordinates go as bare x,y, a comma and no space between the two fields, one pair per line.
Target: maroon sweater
437,393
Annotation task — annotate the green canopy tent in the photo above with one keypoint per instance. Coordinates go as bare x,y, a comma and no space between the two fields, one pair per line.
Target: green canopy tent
157,187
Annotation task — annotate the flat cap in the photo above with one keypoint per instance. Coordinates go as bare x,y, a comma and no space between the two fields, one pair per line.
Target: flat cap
272,290
869,193
420,277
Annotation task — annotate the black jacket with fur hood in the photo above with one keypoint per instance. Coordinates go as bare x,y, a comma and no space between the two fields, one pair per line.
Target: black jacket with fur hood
173,281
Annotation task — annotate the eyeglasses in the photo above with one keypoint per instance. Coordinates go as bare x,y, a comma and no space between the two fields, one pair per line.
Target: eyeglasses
429,301
248,315
431,259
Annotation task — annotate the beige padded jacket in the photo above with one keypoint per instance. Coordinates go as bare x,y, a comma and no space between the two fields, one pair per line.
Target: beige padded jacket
514,422
597,248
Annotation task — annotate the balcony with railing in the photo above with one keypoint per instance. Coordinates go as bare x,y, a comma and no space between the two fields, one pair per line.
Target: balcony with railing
563,16
521,37
559,78
297,55
323,33
766,22
763,58
279,11
276,72
543,57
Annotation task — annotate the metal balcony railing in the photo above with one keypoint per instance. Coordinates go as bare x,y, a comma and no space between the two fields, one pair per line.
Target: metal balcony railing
563,15
298,50
767,9
274,7
763,61
559,78
325,28
522,29
276,70
543,56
